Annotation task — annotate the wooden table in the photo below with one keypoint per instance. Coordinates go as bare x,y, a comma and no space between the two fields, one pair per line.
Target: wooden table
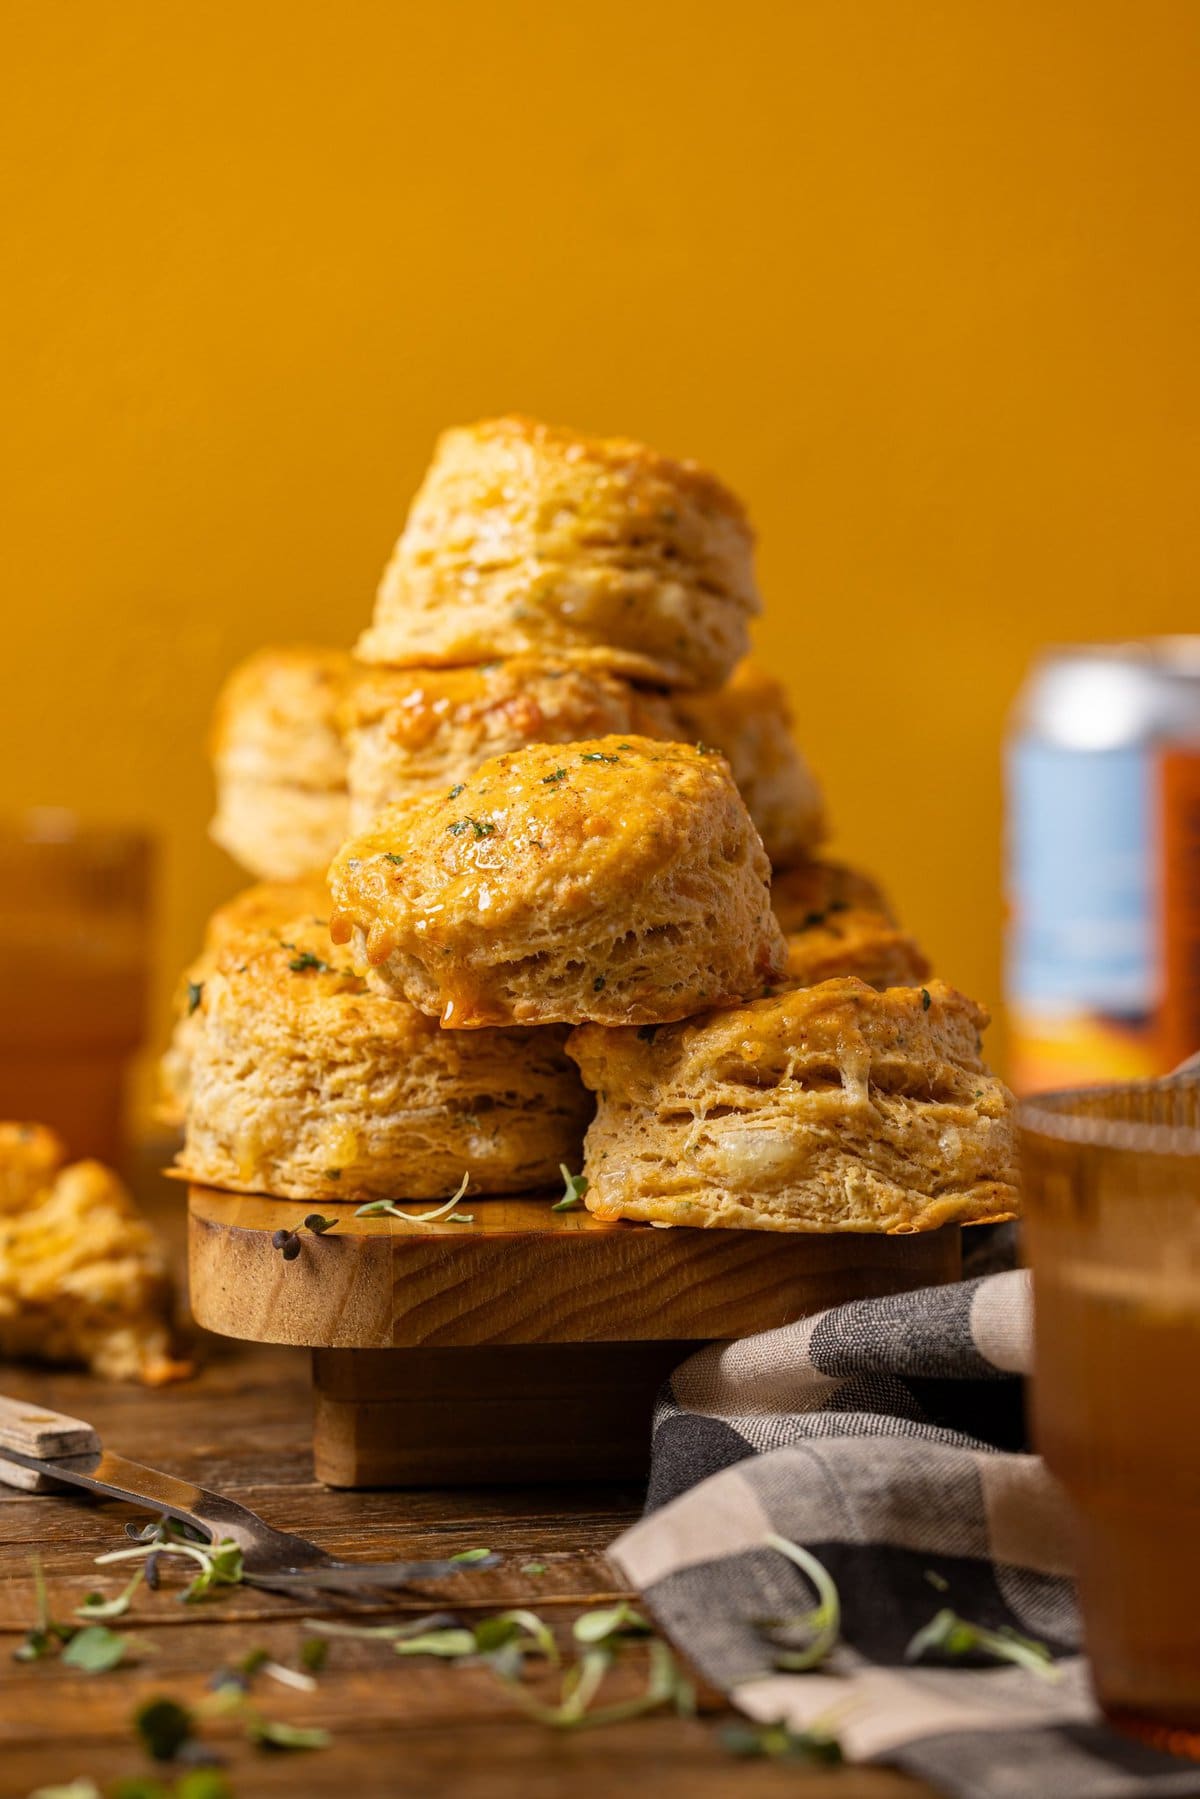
399,1726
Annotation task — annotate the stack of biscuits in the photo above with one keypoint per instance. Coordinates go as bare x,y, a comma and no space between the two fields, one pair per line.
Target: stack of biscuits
541,888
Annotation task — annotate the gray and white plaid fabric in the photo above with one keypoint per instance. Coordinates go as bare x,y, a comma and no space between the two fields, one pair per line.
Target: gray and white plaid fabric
886,1437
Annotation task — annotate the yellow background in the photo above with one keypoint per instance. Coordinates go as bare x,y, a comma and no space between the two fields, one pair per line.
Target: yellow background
919,279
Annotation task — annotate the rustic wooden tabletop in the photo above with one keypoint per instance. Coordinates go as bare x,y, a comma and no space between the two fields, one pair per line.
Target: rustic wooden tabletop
397,1726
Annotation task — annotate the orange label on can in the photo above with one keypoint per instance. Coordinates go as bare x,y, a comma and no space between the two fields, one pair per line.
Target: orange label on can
1179,905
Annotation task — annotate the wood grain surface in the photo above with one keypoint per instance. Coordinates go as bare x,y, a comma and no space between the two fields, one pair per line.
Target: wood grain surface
399,1727
523,1273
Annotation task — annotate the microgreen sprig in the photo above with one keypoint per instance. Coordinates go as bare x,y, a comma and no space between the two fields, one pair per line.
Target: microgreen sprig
821,1626
575,1187
220,1562
387,1208
947,1637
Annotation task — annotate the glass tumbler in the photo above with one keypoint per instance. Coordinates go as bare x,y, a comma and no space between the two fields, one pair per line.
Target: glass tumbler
1112,1234
74,938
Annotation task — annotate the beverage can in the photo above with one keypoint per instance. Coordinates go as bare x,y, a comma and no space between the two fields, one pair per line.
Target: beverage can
1102,974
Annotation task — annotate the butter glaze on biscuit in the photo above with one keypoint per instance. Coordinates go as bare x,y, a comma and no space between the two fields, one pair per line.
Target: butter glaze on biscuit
526,539
830,1108
838,922
750,721
410,732
305,1085
618,880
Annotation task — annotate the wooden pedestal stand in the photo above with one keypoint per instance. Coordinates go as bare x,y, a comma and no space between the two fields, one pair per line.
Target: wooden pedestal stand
527,1345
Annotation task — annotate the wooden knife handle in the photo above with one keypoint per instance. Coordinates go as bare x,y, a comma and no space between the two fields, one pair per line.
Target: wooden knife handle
33,1430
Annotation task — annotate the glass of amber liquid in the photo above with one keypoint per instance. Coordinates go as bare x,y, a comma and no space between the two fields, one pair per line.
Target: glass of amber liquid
1112,1234
74,924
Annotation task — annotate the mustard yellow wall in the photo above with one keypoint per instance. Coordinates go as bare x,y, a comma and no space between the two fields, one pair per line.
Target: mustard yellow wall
919,278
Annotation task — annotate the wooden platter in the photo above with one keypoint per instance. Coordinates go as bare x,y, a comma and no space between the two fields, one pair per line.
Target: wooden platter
528,1343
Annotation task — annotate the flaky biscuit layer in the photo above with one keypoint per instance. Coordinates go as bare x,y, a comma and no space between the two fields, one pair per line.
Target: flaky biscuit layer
618,880
306,1085
750,721
279,832
528,539
838,922
267,904
830,1108
83,1279
411,732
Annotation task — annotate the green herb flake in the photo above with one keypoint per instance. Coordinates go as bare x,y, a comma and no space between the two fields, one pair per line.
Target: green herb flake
482,827
392,857
533,1568
599,984
609,1621
449,1644
560,774
301,963
597,756
459,787
926,1002
575,1187
195,993
319,1225
471,1555
314,1652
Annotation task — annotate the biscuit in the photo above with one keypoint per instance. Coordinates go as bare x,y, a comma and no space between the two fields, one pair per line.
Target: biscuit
838,922
750,721
279,762
831,1108
30,1157
306,1085
619,881
529,540
267,903
82,1279
410,732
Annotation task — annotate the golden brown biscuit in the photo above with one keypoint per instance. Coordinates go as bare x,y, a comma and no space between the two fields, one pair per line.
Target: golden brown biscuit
410,732
268,903
306,1085
750,721
280,766
529,540
831,1108
30,1157
838,922
82,1279
619,880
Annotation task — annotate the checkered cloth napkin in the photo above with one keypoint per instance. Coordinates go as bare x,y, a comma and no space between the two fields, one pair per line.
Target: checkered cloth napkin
887,1438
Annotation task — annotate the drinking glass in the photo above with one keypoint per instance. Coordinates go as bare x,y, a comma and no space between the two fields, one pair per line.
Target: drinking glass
1112,1234
74,928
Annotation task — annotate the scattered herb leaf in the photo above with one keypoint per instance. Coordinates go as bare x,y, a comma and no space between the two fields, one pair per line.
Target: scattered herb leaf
559,774
609,1621
267,1734
306,960
95,1649
319,1225
391,856
926,1002
96,1608
471,1555
598,985
575,1187
597,756
314,1652
459,787
533,1567
778,1742
163,1727
287,1243
195,993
